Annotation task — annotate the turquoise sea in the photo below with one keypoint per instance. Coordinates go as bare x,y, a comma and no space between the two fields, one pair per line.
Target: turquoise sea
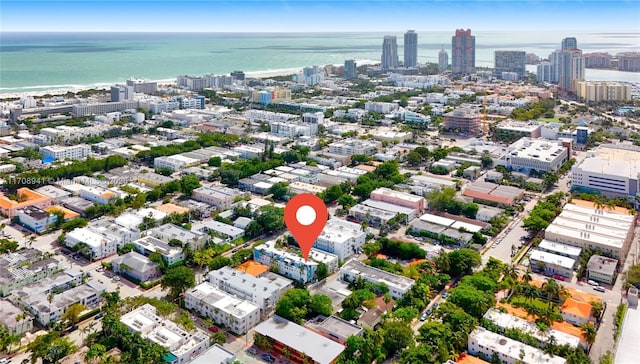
42,61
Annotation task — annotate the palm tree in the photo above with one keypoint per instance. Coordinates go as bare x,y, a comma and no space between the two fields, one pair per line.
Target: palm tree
526,276
589,333
597,308
551,289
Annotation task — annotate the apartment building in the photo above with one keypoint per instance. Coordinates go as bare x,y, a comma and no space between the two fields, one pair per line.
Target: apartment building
220,197
98,245
98,195
24,267
291,265
148,244
36,219
354,269
136,266
383,194
195,239
236,314
27,197
353,146
183,346
342,238
60,153
483,341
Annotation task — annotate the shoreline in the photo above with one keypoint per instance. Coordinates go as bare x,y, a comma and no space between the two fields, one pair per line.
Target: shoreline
63,89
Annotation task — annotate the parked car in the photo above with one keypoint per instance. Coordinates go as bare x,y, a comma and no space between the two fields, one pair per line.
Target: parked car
559,277
593,283
428,312
213,329
99,315
268,358
252,351
599,288
423,317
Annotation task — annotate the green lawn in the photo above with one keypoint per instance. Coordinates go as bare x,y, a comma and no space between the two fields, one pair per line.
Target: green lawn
535,301
554,119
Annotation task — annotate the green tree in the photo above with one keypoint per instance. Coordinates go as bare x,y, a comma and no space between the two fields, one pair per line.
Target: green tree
322,271
332,193
293,305
397,336
50,348
471,300
72,313
189,183
214,162
271,218
414,158
320,305
589,332
346,201
279,190
95,353
178,280
73,224
462,261
253,229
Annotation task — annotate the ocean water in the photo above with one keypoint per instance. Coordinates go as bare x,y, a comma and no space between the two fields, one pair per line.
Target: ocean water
42,61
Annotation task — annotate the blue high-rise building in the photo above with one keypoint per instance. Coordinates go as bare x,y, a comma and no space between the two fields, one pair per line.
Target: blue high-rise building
410,48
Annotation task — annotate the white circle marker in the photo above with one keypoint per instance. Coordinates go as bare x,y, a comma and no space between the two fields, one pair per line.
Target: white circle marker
306,215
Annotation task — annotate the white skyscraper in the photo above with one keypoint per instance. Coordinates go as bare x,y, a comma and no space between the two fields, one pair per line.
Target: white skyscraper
389,52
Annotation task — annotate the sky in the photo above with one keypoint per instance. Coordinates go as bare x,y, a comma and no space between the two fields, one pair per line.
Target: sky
316,16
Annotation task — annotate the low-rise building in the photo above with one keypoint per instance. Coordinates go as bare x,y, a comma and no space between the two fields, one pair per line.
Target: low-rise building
175,162
568,251
298,344
291,265
353,146
56,194
167,232
334,328
183,346
354,269
14,318
98,195
216,354
225,231
152,179
25,198
342,238
483,341
136,266
95,245
602,269
372,216
551,264
576,312
36,219
388,195
236,314
220,197
511,130
464,120
540,155
261,291
24,267
506,321
58,153
148,244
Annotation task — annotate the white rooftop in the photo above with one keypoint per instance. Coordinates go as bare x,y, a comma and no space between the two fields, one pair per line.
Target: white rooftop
89,237
438,220
340,231
564,249
612,160
397,194
210,294
507,321
541,149
512,348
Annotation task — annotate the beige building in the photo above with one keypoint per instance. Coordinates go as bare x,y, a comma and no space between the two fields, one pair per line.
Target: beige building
603,91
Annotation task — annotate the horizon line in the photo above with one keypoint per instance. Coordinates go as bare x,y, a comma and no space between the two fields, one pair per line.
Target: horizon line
307,31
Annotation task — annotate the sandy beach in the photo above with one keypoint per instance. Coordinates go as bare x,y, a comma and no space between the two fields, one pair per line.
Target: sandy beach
162,83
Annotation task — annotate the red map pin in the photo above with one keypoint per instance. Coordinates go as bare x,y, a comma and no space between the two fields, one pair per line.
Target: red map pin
305,215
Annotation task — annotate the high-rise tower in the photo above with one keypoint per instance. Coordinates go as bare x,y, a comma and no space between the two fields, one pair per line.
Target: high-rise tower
443,60
463,52
389,53
569,43
410,48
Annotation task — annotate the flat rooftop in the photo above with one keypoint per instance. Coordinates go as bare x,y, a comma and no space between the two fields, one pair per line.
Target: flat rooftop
540,149
612,160
221,300
551,258
316,346
360,269
334,325
521,126
512,348
397,194
561,249
340,231
628,350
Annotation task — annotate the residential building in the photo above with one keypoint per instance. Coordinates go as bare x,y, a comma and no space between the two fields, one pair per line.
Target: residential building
576,312
24,267
121,93
389,53
629,61
298,344
571,69
463,52
236,314
443,60
597,60
263,292
95,245
463,120
110,227
143,86
544,72
36,219
417,203
603,91
170,254
290,264
602,269
342,238
611,169
350,69
371,215
506,321
540,155
14,318
140,219
56,194
175,162
551,264
60,153
410,49
569,43
97,194
167,232
48,298
103,107
509,61
152,179
353,146
216,354
27,197
183,346
609,231
509,351
219,197
136,266
511,130
354,269
220,229
334,328
564,250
